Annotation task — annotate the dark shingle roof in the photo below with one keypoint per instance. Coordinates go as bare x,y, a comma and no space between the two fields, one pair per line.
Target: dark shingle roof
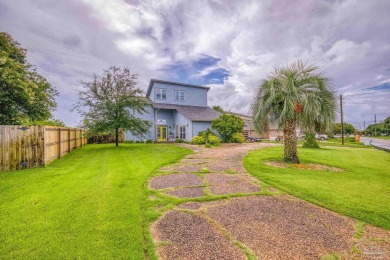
205,114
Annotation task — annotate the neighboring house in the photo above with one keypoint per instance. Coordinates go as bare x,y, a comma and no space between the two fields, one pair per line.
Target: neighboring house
176,110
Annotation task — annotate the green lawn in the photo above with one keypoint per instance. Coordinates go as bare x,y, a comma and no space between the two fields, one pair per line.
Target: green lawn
382,137
85,205
348,142
362,191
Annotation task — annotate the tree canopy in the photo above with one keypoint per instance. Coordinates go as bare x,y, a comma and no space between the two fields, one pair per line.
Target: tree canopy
111,102
379,128
25,96
294,96
219,109
348,129
228,125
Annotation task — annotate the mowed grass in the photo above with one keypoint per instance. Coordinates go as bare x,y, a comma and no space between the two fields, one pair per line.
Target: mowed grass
85,205
361,191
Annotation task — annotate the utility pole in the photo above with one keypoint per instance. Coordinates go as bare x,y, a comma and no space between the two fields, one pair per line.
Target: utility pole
342,119
375,126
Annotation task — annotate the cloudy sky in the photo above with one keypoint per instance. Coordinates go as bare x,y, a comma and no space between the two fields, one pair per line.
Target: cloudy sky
230,45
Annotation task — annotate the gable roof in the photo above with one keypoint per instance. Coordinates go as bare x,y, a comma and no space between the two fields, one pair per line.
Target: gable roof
204,114
152,81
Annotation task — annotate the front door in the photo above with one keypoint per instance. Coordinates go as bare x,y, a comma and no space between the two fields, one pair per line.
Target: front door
162,135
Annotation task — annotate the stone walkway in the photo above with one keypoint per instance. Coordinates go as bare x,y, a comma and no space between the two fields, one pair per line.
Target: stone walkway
246,219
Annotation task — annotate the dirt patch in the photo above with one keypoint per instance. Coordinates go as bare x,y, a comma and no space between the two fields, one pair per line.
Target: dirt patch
284,229
304,166
182,235
175,180
187,193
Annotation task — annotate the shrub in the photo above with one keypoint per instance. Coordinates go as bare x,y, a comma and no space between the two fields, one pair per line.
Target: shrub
198,140
214,140
180,140
310,141
149,141
238,138
137,141
129,141
227,125
208,145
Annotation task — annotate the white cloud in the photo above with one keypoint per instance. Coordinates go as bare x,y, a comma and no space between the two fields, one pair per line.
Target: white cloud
69,40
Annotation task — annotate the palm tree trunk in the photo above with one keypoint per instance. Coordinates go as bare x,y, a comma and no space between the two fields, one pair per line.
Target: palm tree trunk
290,142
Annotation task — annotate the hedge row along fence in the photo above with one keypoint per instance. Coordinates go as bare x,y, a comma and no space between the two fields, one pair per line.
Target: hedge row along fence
24,147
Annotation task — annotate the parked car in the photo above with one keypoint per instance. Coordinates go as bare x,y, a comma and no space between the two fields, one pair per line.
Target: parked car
279,138
254,139
321,137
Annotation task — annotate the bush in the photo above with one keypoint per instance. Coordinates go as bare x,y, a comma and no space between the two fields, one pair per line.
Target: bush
238,138
227,125
198,140
137,141
214,140
310,141
149,141
129,141
180,140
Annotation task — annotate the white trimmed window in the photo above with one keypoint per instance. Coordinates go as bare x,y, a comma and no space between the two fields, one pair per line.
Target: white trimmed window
181,131
179,95
161,93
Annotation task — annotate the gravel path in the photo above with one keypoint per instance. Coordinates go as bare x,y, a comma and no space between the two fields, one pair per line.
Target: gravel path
252,225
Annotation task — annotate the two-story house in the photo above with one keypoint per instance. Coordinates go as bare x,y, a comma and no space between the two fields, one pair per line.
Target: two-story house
176,110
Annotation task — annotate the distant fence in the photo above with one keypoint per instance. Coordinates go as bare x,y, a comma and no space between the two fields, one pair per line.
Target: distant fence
24,147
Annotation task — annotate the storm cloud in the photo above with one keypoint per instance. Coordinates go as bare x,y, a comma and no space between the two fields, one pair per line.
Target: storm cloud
228,45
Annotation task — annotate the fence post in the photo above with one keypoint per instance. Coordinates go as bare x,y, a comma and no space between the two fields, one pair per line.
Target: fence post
59,142
68,140
44,146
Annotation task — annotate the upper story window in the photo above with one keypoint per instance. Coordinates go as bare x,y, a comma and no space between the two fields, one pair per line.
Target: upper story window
179,95
161,93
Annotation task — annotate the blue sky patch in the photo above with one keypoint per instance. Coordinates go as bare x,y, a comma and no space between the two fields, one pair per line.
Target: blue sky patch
384,86
202,71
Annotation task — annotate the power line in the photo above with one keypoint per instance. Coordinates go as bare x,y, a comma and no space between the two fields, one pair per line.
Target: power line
367,93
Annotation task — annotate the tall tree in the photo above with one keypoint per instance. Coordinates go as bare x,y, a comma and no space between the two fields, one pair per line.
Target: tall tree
294,96
25,96
111,101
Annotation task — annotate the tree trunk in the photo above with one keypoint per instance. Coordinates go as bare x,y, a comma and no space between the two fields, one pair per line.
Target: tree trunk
116,137
290,142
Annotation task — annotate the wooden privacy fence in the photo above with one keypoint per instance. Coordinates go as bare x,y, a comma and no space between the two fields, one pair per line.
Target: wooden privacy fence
24,147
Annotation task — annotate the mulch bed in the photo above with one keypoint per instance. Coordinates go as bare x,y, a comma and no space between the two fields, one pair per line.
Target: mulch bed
188,236
175,180
304,166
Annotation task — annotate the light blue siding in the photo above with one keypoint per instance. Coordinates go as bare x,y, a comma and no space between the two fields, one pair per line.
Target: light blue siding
192,96
148,115
199,127
181,120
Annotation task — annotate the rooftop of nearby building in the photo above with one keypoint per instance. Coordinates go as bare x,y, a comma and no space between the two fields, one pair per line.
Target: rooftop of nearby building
194,113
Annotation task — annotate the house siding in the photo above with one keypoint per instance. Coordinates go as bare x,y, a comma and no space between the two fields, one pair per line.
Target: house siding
180,119
192,96
199,127
148,115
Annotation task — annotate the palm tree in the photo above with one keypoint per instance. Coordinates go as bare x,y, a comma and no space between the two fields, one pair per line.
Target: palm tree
294,96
